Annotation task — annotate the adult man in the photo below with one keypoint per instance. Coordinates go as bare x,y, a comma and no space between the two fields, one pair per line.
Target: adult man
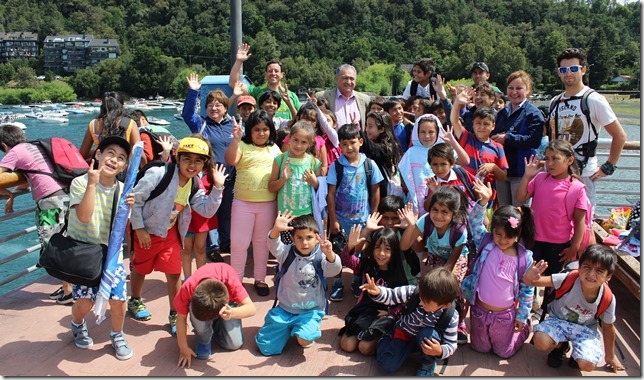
273,75
480,73
568,122
343,100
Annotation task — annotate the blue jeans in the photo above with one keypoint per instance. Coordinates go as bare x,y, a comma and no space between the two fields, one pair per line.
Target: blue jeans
392,352
228,334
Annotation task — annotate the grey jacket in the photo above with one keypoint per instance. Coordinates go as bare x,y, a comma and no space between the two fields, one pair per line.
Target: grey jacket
361,98
154,215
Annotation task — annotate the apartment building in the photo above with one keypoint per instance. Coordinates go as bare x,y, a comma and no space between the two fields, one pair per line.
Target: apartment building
77,51
18,45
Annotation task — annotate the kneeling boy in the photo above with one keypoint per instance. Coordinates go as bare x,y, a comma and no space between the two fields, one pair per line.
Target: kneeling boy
217,302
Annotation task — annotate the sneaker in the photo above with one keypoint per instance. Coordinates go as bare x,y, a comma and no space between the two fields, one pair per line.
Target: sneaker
123,350
57,294
203,351
556,356
214,256
461,334
81,336
65,299
137,308
355,286
172,318
337,293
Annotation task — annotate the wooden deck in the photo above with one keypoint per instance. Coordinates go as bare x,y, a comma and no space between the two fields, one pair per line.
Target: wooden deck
37,341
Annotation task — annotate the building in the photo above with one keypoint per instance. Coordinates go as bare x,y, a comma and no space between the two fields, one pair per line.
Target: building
18,45
77,51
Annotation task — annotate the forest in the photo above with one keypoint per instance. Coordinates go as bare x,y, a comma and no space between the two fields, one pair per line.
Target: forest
163,40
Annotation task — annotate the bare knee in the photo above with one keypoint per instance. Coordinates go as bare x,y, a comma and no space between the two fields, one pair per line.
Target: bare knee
348,343
585,366
543,342
368,347
304,343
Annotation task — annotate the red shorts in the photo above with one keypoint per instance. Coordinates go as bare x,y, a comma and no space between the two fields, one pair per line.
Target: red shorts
164,254
200,223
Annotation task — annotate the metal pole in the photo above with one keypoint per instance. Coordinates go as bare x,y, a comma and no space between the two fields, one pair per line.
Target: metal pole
235,30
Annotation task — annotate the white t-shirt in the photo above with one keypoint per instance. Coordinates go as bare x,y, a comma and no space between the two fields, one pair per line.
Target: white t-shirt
423,92
573,127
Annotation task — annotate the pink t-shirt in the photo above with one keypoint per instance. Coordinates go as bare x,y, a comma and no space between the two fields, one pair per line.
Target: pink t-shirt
216,271
25,156
496,280
553,206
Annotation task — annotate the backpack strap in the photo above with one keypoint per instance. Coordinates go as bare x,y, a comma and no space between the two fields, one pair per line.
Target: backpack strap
428,228
445,318
412,303
462,176
586,111
290,257
455,233
604,303
165,181
413,89
567,284
339,172
367,172
569,281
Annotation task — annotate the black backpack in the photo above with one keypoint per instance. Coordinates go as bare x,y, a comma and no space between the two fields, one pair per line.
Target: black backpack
165,181
157,148
443,321
413,90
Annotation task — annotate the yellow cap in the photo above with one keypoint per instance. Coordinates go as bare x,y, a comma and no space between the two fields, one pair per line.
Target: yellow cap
193,145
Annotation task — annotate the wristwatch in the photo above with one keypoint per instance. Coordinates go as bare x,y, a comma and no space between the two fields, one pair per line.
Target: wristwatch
608,168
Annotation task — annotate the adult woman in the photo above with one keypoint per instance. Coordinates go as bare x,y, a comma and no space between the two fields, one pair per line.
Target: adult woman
519,128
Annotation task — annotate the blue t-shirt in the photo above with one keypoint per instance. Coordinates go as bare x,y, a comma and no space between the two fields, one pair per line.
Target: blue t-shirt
440,246
352,195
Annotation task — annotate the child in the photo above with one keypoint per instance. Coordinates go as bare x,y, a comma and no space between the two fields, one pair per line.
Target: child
401,129
447,210
559,202
160,224
349,202
51,196
375,105
381,145
333,150
499,298
91,201
254,206
245,106
195,240
216,302
487,157
381,260
441,159
572,318
294,174
417,330
270,101
301,294
309,113
483,97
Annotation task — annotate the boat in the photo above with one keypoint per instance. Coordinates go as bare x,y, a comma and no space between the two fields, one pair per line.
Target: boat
157,121
16,124
178,116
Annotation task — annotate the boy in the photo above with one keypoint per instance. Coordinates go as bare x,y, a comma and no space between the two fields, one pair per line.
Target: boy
402,129
573,317
51,196
484,96
417,330
300,293
160,224
349,202
217,302
245,106
441,160
487,157
91,201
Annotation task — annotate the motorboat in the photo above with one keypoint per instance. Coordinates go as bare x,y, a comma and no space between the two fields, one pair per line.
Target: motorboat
157,121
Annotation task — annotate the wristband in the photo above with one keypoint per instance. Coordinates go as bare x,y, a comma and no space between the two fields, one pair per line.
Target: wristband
608,168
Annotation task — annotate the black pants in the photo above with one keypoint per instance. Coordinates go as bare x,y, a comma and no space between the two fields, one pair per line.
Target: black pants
223,213
550,253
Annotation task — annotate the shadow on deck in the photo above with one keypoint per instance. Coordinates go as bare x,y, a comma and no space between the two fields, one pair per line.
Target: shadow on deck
37,341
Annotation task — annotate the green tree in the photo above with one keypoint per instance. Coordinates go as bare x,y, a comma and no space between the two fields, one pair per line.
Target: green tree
86,83
25,77
6,72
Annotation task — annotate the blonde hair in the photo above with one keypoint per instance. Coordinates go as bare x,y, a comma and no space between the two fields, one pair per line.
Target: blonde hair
525,78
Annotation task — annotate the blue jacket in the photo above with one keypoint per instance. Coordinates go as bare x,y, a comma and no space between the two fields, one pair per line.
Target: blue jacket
523,131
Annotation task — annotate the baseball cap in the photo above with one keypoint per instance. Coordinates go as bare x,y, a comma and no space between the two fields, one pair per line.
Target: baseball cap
115,140
246,99
193,145
480,65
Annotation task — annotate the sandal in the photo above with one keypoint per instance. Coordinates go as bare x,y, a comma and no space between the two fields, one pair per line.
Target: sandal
261,288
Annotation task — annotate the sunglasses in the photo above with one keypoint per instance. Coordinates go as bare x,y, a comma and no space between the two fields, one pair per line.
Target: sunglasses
573,69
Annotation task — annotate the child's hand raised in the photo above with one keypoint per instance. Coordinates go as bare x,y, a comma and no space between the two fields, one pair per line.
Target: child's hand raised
448,135
354,236
432,183
193,81
370,286
531,166
373,222
284,93
282,221
243,52
310,177
219,175
326,247
287,171
465,97
93,175
483,190
237,130
533,274
409,208
239,88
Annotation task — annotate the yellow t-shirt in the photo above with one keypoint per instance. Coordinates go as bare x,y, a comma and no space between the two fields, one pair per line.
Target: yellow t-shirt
253,172
180,201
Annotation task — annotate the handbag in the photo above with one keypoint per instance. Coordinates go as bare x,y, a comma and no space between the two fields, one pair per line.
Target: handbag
75,261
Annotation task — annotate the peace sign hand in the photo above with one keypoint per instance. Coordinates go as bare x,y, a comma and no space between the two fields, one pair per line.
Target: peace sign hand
93,175
370,286
237,130
326,247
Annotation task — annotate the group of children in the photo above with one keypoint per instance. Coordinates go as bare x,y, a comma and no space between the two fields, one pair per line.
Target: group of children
417,236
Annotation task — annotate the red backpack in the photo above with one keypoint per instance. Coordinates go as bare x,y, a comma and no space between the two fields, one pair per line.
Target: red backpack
569,281
66,160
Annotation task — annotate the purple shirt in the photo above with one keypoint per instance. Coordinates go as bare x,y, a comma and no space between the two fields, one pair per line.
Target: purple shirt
345,107
25,156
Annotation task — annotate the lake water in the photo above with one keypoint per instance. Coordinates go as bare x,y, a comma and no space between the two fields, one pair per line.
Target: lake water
75,130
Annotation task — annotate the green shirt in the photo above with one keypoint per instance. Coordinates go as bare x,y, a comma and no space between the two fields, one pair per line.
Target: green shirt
283,110
296,194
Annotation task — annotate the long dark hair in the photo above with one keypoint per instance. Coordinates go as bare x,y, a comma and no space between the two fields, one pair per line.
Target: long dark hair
257,117
524,230
388,139
112,110
565,148
454,199
396,273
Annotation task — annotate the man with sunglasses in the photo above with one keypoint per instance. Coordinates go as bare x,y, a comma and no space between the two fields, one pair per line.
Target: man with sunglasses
568,121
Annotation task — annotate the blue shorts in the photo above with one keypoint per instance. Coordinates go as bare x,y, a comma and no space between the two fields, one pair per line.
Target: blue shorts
280,325
586,342
119,290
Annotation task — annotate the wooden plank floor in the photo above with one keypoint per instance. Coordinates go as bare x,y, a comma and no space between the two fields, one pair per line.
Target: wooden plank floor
36,341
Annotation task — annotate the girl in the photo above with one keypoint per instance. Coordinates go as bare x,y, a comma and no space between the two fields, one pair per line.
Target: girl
197,235
270,102
294,173
108,123
382,261
414,168
254,209
309,113
333,150
500,300
519,128
557,191
380,144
